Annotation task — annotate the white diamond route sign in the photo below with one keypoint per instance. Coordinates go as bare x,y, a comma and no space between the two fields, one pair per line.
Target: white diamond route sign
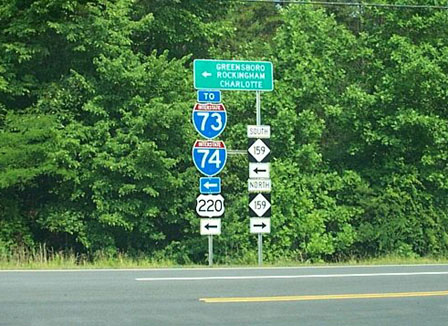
259,205
259,151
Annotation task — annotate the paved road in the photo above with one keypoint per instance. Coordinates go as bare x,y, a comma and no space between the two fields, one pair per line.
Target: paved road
325,296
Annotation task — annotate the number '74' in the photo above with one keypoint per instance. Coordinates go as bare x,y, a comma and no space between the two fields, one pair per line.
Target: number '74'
213,159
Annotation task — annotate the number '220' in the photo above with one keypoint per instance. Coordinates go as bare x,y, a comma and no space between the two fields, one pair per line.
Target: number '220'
210,205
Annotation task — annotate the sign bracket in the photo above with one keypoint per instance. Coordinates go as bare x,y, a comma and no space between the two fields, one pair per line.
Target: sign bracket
236,152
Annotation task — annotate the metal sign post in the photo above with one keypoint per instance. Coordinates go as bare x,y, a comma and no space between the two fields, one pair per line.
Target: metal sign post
210,250
260,236
210,227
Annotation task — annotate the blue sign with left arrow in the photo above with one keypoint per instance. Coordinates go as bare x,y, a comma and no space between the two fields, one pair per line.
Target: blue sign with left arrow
210,185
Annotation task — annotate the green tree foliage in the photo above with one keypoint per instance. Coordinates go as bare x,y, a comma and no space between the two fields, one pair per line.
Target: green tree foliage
379,93
184,27
311,54
26,166
95,131
123,132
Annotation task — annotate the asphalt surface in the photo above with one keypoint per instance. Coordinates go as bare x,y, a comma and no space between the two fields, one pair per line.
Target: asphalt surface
380,295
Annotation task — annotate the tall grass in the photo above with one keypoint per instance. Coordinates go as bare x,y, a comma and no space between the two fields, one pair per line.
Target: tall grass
43,257
46,258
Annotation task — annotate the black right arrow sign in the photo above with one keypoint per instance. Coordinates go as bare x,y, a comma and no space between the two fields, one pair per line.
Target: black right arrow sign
260,225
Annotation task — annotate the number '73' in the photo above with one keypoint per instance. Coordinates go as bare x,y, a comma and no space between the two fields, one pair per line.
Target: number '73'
206,115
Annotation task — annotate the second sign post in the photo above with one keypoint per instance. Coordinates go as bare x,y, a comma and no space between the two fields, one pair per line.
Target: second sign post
259,183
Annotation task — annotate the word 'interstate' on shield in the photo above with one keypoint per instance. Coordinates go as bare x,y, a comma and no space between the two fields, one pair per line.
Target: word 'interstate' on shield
233,75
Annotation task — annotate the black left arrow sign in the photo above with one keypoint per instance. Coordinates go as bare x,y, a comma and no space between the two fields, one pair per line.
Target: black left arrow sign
208,226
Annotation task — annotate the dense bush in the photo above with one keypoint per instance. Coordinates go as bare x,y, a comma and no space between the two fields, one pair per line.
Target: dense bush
95,131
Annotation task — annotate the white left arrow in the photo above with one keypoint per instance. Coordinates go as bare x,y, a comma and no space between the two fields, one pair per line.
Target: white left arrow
206,74
209,185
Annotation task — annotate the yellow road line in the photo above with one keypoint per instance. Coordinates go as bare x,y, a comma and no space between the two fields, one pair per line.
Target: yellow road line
325,297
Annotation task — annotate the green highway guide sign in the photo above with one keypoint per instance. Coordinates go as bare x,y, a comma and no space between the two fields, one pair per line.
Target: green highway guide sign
233,75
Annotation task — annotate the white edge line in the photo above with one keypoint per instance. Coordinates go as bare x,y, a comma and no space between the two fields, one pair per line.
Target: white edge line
180,269
152,279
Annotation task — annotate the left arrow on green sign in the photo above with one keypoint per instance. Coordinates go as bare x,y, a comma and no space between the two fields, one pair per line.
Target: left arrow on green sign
233,75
